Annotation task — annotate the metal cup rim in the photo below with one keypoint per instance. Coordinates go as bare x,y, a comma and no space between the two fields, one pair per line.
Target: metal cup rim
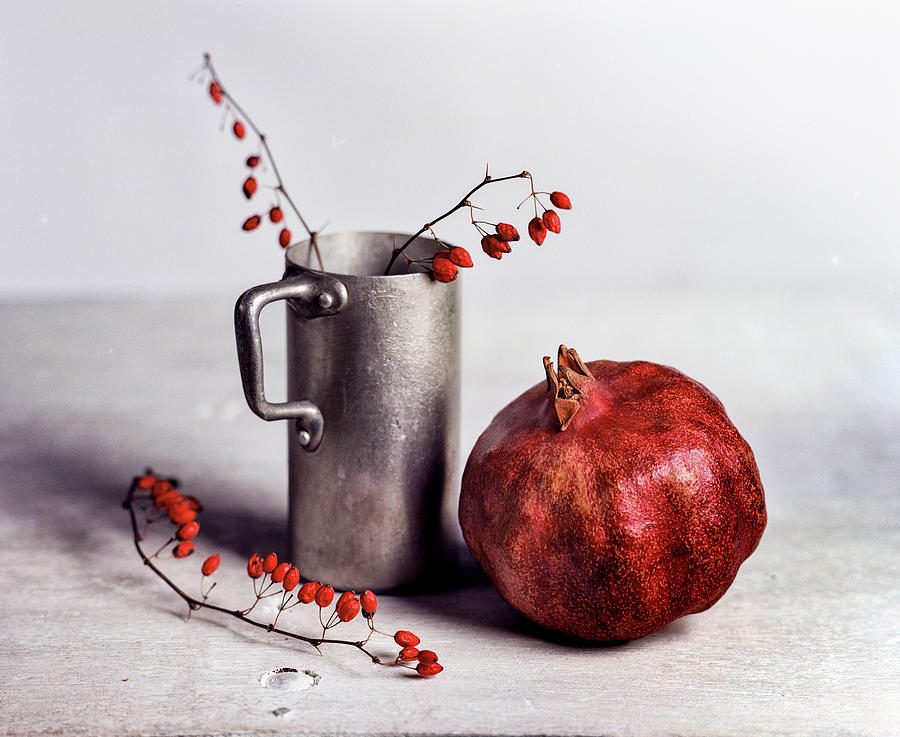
303,246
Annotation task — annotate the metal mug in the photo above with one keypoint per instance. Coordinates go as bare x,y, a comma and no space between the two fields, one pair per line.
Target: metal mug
373,402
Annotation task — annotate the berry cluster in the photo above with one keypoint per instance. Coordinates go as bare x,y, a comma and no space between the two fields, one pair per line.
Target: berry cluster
538,227
445,264
266,573
158,499
276,215
427,659
180,510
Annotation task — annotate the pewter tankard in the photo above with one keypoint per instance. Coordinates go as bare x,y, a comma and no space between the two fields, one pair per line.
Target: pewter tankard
372,408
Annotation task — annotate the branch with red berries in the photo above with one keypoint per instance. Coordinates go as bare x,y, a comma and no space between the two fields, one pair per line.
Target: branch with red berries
446,262
153,499
444,265
260,162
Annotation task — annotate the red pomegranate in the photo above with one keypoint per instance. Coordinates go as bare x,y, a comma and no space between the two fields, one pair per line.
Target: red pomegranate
612,500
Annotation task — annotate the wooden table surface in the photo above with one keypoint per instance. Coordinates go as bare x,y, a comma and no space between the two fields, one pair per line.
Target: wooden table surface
806,642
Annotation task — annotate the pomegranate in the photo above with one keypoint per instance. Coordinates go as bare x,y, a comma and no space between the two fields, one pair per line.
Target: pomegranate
612,500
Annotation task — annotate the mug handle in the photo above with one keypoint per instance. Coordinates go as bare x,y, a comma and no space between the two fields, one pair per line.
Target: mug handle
314,295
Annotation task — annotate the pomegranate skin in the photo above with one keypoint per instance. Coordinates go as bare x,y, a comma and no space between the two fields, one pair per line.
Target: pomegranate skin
641,511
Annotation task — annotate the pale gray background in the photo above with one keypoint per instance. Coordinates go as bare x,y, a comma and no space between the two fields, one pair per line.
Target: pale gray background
706,140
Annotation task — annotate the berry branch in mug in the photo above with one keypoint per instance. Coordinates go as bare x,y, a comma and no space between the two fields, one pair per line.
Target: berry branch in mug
495,237
260,164
154,499
444,265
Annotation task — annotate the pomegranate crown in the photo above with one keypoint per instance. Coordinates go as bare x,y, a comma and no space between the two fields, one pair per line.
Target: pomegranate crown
566,385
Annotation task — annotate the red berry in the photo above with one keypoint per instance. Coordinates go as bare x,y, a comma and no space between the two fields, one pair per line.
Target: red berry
180,513
254,566
551,220
270,563
291,579
507,232
324,595
210,565
253,161
280,570
443,269
275,214
308,591
537,231
369,603
408,653
427,656
183,550
146,482
346,596
193,503
348,609
249,187
429,669
161,486
187,531
494,246
560,200
251,223
284,238
170,497
215,92
238,129
167,499
460,257
404,638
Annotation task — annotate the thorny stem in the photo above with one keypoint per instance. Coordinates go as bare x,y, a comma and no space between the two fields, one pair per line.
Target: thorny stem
437,240
208,65
533,196
195,604
284,598
477,223
464,202
162,547
206,593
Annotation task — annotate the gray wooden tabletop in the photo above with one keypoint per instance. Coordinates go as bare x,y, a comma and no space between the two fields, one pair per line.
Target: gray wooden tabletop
806,642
